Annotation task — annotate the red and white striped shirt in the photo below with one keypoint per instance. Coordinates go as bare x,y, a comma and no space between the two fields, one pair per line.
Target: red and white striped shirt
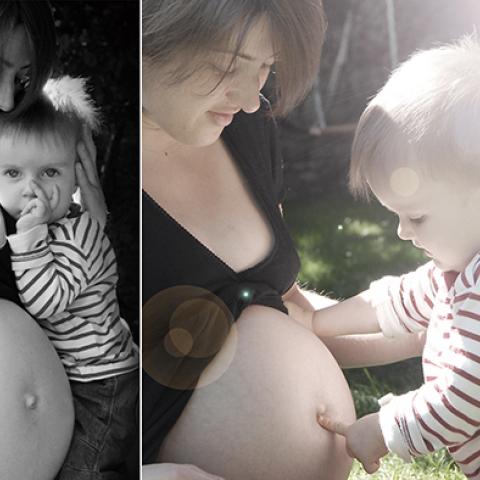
66,277
445,410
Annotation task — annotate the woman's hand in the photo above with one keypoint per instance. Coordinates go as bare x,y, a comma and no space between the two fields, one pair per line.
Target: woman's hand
91,193
173,471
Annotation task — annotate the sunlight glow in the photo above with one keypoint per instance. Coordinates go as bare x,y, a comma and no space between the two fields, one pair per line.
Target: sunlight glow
404,181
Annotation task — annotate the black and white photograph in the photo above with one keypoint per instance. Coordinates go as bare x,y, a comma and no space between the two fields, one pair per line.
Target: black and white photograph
69,239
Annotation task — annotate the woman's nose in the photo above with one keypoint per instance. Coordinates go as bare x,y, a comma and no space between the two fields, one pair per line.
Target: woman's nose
246,94
7,94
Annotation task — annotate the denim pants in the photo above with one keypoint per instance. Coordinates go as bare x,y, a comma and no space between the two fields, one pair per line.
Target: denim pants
106,429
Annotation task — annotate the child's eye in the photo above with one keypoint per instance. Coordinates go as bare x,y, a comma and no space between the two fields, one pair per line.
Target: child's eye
417,220
51,172
12,173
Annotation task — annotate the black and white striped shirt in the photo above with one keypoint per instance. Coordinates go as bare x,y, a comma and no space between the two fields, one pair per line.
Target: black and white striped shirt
66,276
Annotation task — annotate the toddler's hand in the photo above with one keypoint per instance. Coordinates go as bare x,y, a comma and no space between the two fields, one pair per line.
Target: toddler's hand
38,210
364,439
300,315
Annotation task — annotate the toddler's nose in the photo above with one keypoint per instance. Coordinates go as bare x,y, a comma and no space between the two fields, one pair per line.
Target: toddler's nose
404,231
29,190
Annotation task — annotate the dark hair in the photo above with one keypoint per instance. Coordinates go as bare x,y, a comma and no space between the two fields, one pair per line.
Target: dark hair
192,27
36,17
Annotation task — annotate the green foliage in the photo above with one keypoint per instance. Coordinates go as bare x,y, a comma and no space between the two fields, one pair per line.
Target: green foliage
344,245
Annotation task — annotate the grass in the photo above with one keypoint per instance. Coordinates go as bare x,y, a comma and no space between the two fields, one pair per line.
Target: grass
438,466
343,246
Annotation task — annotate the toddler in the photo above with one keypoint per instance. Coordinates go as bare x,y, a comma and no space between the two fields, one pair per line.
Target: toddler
417,148
65,274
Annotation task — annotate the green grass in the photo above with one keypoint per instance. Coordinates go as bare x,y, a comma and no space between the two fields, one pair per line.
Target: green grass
343,246
438,466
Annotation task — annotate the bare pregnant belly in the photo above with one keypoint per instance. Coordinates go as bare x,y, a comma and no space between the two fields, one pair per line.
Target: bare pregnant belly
36,410
258,419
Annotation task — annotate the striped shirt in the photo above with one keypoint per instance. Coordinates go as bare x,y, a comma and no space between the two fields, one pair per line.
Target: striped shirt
445,410
66,276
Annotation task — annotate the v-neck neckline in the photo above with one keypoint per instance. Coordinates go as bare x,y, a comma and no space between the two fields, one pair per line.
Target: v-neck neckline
260,204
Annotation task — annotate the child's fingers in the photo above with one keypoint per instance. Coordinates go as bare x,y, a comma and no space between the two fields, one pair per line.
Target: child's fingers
332,425
29,207
371,467
39,192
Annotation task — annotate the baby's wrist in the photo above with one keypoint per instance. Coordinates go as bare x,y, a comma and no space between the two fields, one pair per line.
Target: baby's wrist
23,226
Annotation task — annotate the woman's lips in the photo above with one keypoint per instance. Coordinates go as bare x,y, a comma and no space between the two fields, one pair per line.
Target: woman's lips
222,119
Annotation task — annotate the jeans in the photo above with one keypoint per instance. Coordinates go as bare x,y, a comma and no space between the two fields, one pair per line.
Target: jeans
106,429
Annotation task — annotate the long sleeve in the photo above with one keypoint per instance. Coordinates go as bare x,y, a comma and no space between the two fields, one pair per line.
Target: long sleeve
53,265
404,304
445,411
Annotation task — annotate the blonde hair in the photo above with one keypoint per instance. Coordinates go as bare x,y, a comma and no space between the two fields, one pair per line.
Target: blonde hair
427,116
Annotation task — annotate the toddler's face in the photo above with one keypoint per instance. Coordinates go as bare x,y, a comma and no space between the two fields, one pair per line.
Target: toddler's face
49,163
438,217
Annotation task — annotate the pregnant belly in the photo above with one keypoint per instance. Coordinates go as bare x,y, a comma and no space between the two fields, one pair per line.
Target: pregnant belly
258,419
36,410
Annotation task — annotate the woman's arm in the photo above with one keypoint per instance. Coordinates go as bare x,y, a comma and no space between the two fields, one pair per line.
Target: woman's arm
364,350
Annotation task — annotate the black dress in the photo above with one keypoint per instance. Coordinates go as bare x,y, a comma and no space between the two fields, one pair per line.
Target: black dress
176,265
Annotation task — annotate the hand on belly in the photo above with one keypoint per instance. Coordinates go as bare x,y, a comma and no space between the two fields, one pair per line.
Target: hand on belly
258,419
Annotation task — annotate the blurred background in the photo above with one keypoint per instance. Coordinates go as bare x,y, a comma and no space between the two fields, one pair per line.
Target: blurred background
345,244
100,40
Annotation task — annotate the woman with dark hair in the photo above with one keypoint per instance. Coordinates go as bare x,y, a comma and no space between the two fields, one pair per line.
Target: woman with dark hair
231,383
27,40
36,409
